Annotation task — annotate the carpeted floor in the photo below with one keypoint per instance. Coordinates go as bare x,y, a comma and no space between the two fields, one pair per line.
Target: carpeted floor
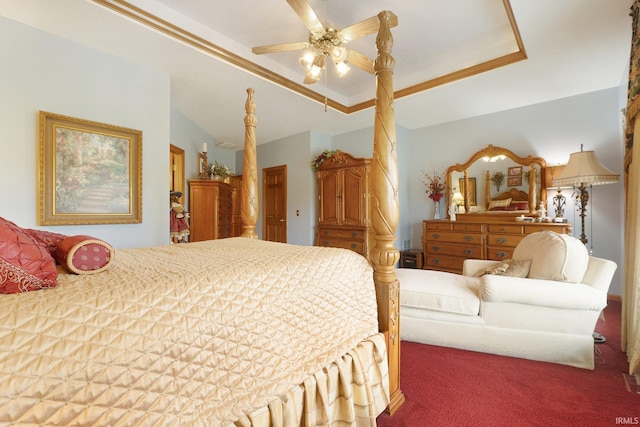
448,387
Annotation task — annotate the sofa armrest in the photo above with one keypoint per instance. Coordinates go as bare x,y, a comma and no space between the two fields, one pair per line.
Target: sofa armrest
472,266
544,293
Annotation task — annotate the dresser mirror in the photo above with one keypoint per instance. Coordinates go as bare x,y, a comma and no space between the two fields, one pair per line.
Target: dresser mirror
476,188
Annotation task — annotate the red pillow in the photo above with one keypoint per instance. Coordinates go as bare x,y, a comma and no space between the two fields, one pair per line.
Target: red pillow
518,206
84,254
24,264
46,239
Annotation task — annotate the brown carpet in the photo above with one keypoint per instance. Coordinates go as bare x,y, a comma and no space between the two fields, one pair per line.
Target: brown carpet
449,387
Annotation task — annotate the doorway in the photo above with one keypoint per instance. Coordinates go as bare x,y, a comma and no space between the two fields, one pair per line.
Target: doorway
176,170
274,183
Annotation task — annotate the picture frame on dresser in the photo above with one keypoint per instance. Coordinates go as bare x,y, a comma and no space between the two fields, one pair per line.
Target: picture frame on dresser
472,190
88,172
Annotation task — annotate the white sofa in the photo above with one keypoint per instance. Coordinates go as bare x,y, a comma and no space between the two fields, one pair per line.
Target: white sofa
550,315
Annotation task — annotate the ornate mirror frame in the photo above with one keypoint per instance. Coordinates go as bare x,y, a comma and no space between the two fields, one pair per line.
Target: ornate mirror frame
492,151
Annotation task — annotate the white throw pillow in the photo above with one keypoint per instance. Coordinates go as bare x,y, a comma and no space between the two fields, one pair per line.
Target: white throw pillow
553,256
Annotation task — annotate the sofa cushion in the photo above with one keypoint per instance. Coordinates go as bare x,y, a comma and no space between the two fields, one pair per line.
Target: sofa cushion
439,291
553,256
508,267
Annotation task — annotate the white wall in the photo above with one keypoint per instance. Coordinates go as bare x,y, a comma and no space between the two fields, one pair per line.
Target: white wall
190,137
41,72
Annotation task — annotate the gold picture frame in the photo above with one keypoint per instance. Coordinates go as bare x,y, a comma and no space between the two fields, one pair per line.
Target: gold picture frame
472,190
88,172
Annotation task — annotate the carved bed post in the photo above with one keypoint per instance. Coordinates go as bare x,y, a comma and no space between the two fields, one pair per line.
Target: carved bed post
385,207
249,201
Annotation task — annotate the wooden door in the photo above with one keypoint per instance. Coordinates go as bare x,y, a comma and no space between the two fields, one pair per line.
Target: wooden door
353,193
274,183
329,195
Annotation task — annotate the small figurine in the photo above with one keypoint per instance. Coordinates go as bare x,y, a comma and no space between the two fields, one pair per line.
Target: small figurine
453,209
178,225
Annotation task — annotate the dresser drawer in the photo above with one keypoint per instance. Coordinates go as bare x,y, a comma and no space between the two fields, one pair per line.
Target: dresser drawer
454,237
465,251
341,234
354,245
509,240
462,226
505,228
446,263
438,225
499,253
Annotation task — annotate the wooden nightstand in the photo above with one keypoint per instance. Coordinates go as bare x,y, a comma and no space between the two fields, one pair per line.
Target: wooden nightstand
411,258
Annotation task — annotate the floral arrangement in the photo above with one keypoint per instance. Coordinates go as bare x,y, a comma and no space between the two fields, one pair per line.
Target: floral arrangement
435,185
219,169
320,158
497,179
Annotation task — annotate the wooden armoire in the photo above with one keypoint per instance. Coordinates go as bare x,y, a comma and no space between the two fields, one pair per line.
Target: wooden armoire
344,217
211,208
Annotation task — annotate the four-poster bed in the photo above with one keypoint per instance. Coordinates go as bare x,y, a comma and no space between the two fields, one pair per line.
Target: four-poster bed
220,332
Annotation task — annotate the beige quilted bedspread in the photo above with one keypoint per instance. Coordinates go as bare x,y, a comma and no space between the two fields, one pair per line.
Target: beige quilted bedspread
204,333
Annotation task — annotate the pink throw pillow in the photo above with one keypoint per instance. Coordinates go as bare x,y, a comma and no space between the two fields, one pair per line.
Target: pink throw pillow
25,265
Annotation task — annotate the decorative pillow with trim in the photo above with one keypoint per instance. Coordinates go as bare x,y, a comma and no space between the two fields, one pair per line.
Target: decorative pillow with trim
553,256
84,254
499,205
46,239
518,206
25,265
508,267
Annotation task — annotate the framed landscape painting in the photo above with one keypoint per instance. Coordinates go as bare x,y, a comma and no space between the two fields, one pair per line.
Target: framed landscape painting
88,172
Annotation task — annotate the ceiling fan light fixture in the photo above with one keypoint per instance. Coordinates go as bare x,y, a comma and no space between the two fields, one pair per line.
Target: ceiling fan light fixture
306,60
342,68
338,54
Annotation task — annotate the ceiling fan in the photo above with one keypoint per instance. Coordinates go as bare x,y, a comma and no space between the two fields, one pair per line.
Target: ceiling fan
325,41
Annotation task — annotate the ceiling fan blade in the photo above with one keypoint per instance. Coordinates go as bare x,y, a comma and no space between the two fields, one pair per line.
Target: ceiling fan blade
360,60
282,47
364,28
303,9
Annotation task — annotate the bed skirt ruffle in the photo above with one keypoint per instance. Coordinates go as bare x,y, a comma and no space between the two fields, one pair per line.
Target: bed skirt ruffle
352,391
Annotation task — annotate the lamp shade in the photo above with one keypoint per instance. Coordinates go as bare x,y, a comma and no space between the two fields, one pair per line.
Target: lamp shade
584,168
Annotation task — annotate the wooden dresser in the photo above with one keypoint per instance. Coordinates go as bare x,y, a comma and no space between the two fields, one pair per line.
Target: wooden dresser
343,203
211,208
448,243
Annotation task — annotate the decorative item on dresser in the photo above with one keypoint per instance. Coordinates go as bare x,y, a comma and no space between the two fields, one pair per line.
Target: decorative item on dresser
211,207
343,203
448,243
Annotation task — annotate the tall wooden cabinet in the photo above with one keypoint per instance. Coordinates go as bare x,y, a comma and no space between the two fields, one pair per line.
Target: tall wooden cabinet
344,218
211,208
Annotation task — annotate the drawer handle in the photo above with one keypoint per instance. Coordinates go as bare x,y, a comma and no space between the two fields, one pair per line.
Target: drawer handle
353,246
501,254
501,240
435,248
325,243
436,236
468,238
436,261
326,232
354,235
468,251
